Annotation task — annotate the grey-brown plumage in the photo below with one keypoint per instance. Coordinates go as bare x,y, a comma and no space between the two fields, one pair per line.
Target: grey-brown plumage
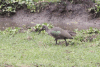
57,33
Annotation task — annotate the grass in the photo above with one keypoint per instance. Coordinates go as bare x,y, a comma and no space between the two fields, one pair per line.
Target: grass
52,0
41,51
48,0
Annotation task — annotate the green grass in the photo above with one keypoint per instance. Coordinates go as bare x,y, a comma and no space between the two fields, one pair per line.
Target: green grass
41,51
48,0
52,0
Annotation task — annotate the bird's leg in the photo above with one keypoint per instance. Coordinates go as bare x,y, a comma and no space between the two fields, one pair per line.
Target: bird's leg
66,42
56,41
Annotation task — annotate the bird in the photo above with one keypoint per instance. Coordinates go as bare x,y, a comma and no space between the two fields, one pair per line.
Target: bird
38,30
57,33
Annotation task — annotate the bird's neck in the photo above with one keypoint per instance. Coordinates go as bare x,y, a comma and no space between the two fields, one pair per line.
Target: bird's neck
46,29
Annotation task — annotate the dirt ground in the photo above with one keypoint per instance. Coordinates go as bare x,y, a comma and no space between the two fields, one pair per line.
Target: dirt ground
70,17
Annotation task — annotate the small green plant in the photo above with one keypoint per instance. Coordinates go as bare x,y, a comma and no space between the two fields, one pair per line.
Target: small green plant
38,27
93,30
89,31
89,35
11,31
95,9
48,25
9,7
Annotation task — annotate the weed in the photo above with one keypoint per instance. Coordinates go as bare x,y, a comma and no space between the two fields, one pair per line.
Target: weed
38,27
89,35
10,31
96,9
9,7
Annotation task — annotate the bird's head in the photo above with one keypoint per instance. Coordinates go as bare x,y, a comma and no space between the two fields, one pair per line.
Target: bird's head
44,27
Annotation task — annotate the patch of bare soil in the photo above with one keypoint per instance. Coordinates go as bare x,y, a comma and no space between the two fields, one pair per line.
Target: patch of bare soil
67,16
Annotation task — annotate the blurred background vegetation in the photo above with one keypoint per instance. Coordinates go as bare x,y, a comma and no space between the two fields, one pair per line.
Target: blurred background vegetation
9,7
